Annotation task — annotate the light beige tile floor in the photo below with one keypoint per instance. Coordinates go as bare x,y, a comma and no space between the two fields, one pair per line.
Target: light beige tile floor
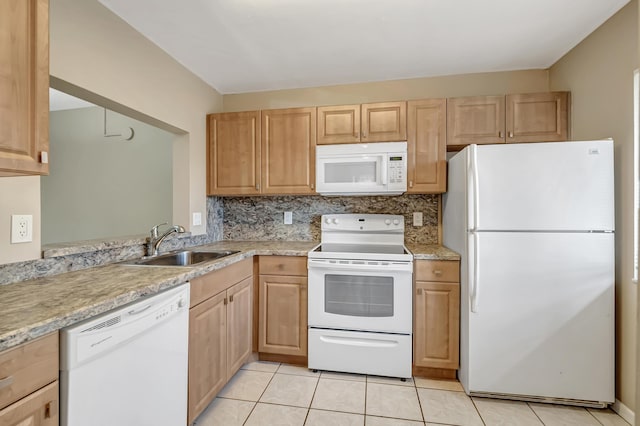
267,393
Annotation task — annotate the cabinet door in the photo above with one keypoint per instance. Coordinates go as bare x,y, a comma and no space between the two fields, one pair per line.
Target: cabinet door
384,122
233,153
427,146
478,119
207,352
436,337
288,151
38,409
339,124
538,117
24,87
283,315
239,325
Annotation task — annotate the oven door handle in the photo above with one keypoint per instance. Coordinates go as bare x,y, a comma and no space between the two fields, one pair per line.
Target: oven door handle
391,267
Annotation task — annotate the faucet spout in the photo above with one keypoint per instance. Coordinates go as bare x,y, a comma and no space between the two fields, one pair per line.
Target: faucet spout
155,240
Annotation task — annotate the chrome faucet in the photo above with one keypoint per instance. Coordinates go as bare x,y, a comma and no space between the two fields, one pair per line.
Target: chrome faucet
155,240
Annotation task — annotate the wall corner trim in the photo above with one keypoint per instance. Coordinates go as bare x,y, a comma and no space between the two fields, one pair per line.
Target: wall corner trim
624,412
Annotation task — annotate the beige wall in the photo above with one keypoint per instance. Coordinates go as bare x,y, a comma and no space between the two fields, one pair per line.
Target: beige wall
429,87
599,74
19,195
107,61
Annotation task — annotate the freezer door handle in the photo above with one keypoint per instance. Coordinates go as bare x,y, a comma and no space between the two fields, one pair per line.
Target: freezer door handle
472,185
474,270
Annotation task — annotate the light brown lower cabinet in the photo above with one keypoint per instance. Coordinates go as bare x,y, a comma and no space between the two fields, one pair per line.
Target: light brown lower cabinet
220,330
283,306
29,383
437,318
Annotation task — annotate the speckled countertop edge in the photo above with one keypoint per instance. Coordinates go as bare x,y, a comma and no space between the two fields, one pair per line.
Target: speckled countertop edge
33,308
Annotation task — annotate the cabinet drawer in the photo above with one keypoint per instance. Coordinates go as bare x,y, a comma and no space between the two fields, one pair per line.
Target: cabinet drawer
27,368
210,284
283,265
38,409
438,270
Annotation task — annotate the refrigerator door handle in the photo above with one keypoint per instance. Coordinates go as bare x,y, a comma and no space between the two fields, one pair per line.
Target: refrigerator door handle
473,272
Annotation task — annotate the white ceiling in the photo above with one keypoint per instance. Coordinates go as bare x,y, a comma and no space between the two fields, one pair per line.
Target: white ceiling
255,45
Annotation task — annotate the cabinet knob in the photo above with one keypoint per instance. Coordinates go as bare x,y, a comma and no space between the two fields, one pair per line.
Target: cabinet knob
231,298
500,134
510,134
44,157
410,184
355,134
419,292
437,272
257,187
225,300
312,186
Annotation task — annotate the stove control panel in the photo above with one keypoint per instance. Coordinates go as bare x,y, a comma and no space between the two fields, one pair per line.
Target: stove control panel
362,223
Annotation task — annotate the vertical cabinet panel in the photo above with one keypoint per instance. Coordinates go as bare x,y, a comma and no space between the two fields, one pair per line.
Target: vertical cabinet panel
436,333
538,117
207,352
24,87
283,315
233,153
338,124
240,324
427,146
437,325
288,151
478,119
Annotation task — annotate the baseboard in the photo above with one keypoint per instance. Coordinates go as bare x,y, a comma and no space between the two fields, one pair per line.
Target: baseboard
624,412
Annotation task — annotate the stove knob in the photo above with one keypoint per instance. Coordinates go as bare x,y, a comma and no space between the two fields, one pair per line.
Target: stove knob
327,221
396,221
335,221
180,303
387,222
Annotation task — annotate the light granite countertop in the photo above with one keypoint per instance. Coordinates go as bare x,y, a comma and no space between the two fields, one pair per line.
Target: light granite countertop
31,309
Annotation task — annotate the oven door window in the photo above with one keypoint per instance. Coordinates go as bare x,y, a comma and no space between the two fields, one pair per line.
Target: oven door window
358,296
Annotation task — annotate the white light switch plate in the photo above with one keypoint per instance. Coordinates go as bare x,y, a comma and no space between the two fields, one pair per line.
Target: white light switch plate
288,218
21,228
417,219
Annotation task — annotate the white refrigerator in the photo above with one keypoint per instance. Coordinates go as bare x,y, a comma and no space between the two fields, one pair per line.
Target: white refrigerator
534,225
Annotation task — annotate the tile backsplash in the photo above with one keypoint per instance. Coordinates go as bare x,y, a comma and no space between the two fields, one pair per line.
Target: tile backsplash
261,218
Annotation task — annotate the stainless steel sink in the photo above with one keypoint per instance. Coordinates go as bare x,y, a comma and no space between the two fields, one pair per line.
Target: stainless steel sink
182,258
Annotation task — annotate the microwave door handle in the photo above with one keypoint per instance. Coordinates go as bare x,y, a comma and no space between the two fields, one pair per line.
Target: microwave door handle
384,168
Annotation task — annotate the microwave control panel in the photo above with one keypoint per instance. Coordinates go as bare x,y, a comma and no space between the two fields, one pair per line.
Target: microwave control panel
397,169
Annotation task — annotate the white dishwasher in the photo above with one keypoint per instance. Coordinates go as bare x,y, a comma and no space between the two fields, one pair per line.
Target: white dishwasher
128,367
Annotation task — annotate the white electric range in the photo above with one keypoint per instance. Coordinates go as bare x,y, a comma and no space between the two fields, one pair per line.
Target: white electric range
360,296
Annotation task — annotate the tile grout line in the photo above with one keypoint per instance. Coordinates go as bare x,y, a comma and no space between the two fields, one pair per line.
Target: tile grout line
263,391
315,389
477,411
593,415
424,420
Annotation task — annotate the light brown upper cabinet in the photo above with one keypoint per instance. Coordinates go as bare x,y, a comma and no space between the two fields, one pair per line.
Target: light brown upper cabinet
24,87
478,119
376,122
538,117
532,117
427,146
233,153
289,151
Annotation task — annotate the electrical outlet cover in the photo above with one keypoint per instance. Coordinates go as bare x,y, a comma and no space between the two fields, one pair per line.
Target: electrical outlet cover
288,218
21,228
417,219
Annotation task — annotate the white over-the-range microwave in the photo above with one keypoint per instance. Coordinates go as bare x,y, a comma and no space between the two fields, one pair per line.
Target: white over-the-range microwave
362,169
